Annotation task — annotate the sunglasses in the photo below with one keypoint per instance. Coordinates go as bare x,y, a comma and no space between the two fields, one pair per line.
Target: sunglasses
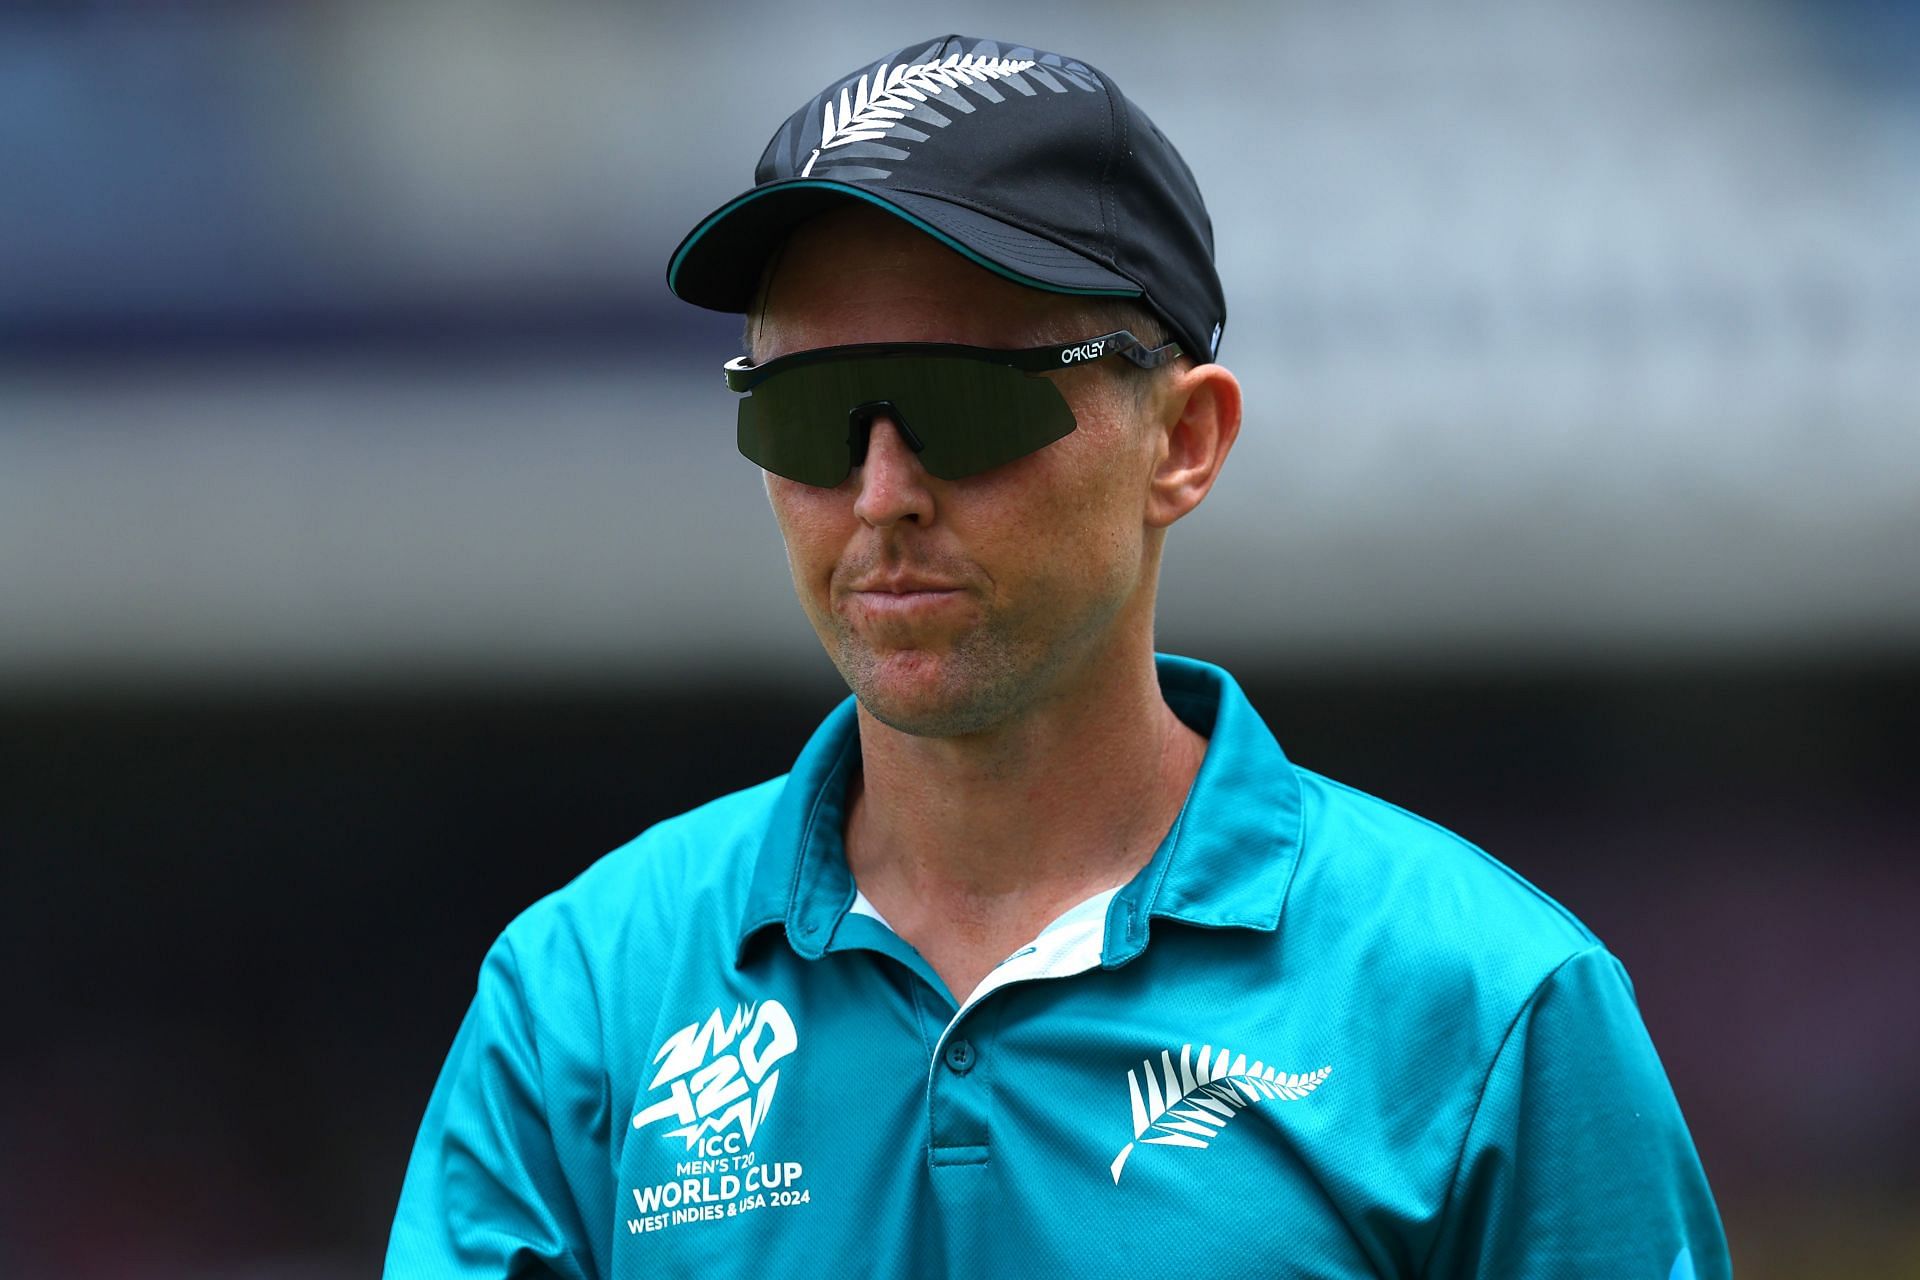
962,410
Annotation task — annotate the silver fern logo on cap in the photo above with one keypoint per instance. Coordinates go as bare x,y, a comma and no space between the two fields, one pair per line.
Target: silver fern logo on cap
877,104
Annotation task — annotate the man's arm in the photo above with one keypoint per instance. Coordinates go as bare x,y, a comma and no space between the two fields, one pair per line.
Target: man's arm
485,1192
1577,1162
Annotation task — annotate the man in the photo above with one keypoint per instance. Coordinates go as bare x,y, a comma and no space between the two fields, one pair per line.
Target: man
1043,959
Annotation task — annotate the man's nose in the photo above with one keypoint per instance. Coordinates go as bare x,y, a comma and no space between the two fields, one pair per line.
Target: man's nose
890,483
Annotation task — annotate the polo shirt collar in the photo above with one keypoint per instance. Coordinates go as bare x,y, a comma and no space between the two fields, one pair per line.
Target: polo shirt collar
1227,862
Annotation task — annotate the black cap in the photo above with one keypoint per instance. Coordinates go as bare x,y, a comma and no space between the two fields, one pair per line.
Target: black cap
1031,164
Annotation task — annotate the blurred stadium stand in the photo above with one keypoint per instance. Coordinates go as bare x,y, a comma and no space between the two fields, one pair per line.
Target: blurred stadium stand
349,317
372,542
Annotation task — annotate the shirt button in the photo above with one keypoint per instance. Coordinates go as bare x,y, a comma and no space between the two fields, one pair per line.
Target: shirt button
960,1056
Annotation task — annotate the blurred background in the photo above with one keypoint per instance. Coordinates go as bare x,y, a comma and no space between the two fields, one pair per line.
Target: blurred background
374,554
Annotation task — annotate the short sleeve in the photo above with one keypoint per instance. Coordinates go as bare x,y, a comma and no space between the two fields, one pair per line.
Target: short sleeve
1577,1162
485,1194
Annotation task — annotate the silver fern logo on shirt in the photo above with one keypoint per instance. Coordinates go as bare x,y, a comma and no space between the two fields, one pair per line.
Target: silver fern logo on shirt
721,1074
1189,1103
879,103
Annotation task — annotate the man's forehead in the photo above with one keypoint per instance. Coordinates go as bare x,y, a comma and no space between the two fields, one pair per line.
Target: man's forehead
857,269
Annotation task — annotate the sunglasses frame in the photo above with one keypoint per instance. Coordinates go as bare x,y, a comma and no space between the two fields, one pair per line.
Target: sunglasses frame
744,375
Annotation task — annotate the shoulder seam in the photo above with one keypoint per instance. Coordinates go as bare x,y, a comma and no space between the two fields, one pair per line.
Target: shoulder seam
1480,1098
1454,836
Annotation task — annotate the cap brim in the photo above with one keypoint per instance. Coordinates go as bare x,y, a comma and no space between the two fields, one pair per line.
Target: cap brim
718,265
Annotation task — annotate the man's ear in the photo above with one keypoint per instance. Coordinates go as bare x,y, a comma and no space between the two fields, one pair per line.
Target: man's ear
1198,420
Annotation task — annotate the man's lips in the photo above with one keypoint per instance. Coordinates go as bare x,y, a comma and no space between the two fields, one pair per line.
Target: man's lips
886,602
903,586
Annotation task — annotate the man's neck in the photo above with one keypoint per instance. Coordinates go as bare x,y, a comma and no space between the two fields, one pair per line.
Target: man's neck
969,846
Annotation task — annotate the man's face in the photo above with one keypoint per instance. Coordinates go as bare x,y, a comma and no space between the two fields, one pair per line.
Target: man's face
1049,554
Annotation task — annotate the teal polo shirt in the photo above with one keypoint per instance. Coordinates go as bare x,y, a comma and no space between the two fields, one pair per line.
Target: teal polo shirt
1315,1036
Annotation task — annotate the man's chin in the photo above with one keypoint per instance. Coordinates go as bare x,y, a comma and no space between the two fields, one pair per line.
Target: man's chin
923,692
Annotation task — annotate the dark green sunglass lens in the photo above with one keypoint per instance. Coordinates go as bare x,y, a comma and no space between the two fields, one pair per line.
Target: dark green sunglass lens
780,432
970,415
978,416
